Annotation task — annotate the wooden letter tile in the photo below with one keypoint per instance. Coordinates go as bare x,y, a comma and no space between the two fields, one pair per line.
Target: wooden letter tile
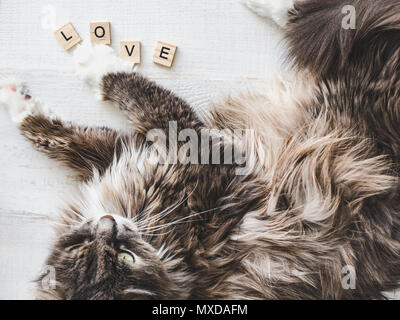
130,50
164,54
100,32
67,36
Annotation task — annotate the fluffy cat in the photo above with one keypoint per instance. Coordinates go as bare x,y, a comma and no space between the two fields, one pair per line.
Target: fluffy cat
320,196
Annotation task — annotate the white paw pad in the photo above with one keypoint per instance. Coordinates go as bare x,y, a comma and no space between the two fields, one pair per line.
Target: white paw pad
277,10
94,61
15,97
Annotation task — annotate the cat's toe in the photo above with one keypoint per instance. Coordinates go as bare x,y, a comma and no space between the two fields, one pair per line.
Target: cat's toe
276,10
92,62
17,100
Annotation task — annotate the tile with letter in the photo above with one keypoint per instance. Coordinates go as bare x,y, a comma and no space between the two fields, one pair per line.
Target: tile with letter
131,51
67,36
164,54
100,32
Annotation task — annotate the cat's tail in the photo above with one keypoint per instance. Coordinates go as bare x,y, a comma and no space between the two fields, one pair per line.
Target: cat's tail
352,47
328,36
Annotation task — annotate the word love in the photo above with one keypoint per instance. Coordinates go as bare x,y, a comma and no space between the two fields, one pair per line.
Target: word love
100,32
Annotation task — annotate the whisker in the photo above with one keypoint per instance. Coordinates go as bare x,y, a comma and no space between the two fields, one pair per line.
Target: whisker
165,212
180,221
155,234
139,292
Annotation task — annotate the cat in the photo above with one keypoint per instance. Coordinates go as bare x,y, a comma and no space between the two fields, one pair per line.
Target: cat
314,216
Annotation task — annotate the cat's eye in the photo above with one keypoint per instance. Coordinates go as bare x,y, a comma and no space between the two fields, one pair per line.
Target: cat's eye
126,256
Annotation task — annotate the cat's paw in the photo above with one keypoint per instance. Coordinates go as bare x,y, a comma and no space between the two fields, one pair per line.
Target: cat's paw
16,99
93,62
276,10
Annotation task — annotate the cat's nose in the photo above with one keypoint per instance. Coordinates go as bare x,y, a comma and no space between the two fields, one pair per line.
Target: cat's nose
106,226
108,217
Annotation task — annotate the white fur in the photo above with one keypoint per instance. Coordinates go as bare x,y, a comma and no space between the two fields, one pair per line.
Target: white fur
275,10
15,102
92,62
104,194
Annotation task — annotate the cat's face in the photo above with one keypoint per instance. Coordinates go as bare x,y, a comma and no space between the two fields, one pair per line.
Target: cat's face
106,258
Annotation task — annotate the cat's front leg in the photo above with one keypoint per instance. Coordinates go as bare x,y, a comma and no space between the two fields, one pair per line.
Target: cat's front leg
80,148
147,105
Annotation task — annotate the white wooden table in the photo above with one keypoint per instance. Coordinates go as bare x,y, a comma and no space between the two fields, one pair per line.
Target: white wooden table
222,48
